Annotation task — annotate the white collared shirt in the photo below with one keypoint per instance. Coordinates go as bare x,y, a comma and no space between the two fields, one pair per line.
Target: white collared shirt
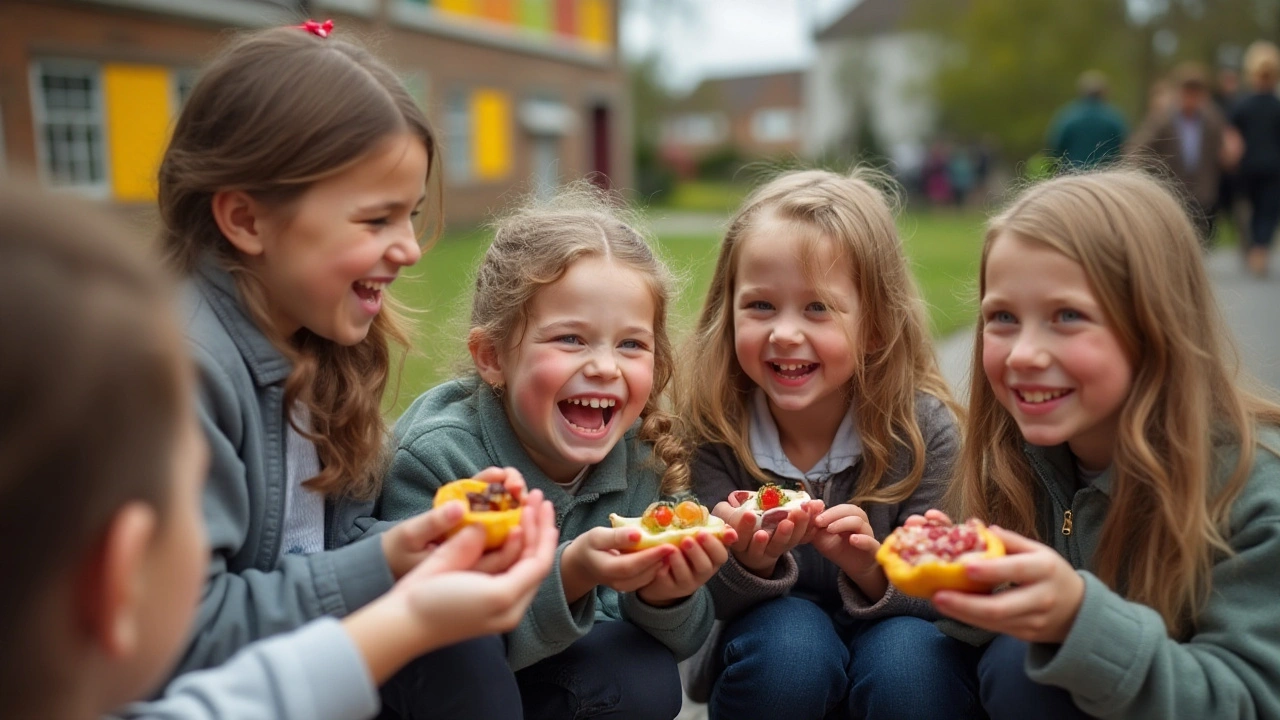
766,448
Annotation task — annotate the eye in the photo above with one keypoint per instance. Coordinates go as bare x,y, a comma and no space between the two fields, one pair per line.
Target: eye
378,222
759,305
569,340
632,345
1003,317
1067,315
817,307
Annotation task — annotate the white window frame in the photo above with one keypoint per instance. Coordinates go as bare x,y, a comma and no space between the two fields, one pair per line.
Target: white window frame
459,130
775,125
95,116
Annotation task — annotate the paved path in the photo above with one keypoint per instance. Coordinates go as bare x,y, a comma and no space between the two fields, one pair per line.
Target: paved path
1251,308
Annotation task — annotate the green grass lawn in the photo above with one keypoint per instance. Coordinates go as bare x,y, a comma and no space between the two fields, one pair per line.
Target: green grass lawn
943,248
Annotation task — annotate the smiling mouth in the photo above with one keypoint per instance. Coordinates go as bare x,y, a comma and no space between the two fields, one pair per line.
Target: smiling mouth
590,415
793,370
369,290
1035,397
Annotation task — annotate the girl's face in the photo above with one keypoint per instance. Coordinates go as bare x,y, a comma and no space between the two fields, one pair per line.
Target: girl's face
327,258
1051,358
583,370
795,339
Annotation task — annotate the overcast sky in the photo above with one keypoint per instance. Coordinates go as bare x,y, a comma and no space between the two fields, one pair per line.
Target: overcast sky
707,38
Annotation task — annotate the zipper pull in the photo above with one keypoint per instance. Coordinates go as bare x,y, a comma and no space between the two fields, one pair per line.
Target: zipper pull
1066,522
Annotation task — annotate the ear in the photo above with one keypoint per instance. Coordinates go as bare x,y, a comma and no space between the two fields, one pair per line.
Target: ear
116,584
240,218
486,357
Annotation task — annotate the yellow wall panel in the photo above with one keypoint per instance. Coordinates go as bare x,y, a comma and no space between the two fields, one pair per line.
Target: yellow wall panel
138,101
594,21
460,7
491,142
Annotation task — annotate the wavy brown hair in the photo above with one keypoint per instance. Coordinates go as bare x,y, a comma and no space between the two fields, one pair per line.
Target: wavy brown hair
1170,504
534,246
94,374
276,112
851,216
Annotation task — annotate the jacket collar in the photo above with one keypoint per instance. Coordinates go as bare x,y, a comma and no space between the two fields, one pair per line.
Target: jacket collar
609,475
766,444
266,363
1056,467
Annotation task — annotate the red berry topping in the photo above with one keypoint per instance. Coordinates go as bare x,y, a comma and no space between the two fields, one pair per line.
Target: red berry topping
663,515
770,497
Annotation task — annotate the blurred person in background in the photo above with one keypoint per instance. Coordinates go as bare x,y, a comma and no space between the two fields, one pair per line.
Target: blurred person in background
1227,93
1257,118
1187,137
1089,131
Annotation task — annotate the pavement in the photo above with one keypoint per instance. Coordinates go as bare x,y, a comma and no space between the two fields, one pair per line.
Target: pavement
1250,306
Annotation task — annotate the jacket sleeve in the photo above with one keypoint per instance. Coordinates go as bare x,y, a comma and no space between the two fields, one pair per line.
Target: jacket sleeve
942,445
1117,661
682,627
314,673
238,608
419,467
735,589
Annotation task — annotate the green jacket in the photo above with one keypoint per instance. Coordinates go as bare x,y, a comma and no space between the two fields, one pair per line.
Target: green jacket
1087,133
1117,661
459,428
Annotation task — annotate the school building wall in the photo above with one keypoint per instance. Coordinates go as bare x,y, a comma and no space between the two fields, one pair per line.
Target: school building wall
524,93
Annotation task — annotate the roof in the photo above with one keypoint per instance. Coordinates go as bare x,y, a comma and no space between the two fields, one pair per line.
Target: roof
868,17
745,92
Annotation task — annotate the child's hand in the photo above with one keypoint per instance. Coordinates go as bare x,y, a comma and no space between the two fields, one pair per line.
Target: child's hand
699,558
595,558
928,515
444,600
411,541
759,550
845,538
1041,607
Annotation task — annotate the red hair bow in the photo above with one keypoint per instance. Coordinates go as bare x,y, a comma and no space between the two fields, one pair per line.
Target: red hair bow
318,29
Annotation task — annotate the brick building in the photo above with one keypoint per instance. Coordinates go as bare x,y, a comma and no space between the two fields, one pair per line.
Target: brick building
526,93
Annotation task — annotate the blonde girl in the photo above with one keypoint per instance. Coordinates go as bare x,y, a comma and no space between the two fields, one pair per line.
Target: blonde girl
811,367
1136,484
288,195
569,342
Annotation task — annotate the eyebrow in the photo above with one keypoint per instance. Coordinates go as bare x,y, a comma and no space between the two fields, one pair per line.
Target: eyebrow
580,326
390,205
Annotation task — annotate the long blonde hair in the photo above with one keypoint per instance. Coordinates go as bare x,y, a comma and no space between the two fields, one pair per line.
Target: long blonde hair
897,359
1170,511
534,246
276,112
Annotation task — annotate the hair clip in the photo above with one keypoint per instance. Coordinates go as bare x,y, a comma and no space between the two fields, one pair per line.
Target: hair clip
318,29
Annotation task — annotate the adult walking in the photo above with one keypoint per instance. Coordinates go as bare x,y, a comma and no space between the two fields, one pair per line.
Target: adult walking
1257,116
1188,137
1089,131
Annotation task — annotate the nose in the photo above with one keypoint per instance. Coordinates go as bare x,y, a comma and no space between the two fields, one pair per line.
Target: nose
1028,351
404,249
603,364
785,333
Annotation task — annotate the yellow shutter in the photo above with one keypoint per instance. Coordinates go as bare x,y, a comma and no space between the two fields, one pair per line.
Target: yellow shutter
491,142
594,21
138,109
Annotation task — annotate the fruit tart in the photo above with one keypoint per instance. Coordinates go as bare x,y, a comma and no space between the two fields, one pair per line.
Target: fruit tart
922,559
771,504
669,523
489,505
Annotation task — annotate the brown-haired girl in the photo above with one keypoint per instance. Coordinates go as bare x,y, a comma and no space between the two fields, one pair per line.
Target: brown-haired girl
288,195
99,437
569,341
811,367
1106,420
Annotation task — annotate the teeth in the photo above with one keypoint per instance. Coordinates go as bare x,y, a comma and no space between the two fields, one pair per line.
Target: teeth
372,285
791,367
1037,396
593,402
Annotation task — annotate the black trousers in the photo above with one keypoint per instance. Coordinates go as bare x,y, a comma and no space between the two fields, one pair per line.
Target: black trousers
467,681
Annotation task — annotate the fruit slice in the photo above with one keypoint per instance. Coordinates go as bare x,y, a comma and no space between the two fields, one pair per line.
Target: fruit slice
681,521
771,503
489,505
923,559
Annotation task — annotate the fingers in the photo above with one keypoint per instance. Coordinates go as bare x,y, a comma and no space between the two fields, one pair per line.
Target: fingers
460,552
1013,542
415,533
510,478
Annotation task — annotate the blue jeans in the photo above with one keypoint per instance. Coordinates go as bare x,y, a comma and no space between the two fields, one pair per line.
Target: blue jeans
616,671
467,681
786,658
1007,692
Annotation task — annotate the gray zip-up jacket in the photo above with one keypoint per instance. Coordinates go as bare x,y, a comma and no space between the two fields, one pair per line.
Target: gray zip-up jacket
314,673
253,590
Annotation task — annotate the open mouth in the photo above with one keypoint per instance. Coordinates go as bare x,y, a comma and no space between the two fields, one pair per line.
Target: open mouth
588,415
1037,397
793,371
369,291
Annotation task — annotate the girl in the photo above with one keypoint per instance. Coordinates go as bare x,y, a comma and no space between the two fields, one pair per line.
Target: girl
1106,420
94,361
569,341
288,195
1257,117
811,367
